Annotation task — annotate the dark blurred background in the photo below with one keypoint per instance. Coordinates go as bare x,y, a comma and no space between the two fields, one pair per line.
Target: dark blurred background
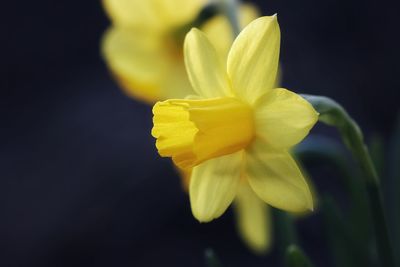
80,181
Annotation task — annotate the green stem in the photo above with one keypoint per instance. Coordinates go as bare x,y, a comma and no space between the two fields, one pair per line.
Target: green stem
230,8
333,114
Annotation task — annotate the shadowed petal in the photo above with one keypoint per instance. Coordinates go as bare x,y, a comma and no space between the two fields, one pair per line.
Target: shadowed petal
276,178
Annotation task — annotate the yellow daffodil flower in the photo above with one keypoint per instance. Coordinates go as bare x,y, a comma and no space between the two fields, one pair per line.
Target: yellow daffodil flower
235,134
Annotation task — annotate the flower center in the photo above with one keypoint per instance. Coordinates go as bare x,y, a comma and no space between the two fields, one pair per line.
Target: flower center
193,131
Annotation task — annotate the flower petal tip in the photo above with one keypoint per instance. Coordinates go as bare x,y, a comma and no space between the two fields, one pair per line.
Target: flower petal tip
204,221
192,31
203,218
310,203
273,18
311,208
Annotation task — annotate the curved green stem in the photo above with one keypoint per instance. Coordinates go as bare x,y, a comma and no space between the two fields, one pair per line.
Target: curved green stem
333,114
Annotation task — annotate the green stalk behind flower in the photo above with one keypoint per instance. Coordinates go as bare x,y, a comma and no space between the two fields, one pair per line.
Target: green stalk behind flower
331,113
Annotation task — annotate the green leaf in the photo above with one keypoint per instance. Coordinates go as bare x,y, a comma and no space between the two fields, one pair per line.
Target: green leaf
317,149
347,250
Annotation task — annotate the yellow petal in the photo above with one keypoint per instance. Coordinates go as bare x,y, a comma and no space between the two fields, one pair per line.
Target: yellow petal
312,188
204,67
283,118
153,15
276,178
253,218
133,13
144,65
213,186
175,13
254,57
219,31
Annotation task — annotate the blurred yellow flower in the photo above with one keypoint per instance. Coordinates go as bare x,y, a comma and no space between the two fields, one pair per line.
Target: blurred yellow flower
237,130
143,49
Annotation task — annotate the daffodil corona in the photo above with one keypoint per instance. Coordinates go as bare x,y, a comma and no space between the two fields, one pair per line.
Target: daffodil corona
202,129
237,130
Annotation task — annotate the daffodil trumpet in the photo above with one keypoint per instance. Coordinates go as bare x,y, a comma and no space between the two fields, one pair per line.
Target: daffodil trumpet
236,132
333,114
